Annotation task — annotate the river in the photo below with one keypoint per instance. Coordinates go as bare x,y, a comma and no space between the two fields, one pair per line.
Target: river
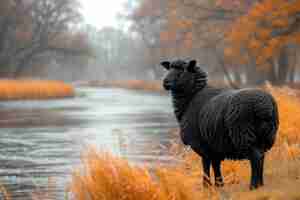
41,141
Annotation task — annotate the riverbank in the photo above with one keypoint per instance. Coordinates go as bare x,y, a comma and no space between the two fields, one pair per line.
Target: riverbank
104,176
149,86
34,89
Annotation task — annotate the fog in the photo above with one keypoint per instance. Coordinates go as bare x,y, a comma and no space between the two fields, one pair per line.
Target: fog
127,39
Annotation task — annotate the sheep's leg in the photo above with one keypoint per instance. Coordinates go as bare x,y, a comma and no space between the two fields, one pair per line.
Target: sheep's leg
261,171
216,164
256,161
206,169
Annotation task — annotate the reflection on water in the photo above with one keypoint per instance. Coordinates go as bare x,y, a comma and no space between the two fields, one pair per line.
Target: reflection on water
42,139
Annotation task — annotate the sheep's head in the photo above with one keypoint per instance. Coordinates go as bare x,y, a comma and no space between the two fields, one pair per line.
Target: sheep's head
183,77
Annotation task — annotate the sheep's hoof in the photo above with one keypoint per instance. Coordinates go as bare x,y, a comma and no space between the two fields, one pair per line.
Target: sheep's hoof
256,186
219,184
206,182
253,187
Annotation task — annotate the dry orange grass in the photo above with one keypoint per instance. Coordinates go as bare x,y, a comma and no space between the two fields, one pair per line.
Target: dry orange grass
34,89
4,194
289,113
104,176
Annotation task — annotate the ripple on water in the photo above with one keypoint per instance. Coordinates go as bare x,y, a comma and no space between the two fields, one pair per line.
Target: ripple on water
44,139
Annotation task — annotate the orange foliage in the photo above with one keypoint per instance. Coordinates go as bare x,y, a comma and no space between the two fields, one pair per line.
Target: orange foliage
34,89
230,4
167,36
178,30
264,30
188,40
148,8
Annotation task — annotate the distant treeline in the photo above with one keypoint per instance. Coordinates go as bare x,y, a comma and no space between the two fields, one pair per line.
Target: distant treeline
247,42
239,42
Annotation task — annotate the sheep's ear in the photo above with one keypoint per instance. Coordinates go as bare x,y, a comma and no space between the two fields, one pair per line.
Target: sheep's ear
192,66
166,64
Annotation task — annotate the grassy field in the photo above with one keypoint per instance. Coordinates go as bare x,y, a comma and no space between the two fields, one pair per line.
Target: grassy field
34,89
106,177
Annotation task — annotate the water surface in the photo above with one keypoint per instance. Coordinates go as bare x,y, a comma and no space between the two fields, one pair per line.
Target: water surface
43,139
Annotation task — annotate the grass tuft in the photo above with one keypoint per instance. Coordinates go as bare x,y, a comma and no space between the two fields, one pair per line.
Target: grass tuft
105,176
4,194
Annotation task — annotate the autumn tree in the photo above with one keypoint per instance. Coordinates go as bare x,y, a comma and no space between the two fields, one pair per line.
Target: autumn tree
31,28
187,28
266,39
249,41
148,18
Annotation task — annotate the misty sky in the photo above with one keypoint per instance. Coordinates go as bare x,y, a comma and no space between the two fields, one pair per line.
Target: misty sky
101,13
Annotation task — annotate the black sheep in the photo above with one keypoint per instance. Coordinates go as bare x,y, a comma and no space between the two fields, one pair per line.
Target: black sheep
219,123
